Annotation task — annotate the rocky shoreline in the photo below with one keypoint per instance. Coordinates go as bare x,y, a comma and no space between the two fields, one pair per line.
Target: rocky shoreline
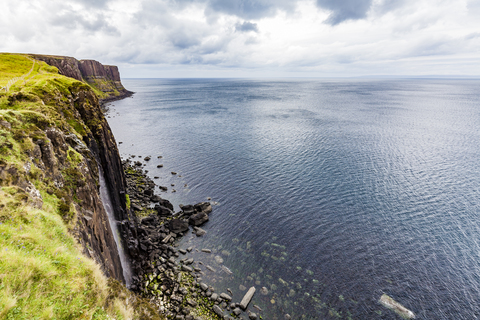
163,273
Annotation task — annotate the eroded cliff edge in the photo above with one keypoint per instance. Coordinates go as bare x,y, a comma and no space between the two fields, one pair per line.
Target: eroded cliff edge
105,78
54,139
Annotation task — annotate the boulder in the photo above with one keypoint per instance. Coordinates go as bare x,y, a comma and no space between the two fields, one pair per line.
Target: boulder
188,209
246,299
166,204
199,231
225,296
203,207
177,225
163,211
218,311
155,198
198,219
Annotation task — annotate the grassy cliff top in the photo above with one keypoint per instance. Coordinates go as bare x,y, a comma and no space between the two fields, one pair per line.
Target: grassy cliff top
43,273
14,66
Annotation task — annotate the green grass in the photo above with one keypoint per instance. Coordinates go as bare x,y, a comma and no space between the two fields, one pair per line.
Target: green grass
11,66
16,65
43,273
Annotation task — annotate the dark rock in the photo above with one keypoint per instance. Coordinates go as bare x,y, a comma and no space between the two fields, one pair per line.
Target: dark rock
187,268
198,219
177,225
188,209
162,211
225,296
136,207
155,198
199,231
203,207
191,303
166,204
218,311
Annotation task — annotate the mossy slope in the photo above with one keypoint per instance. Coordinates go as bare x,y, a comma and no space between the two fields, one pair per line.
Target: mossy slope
49,201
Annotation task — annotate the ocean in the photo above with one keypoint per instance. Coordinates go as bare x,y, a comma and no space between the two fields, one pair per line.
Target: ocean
328,193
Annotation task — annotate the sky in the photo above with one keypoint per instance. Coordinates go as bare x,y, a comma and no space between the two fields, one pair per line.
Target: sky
252,38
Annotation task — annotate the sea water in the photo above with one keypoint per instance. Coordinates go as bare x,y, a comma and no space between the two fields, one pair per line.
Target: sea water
329,193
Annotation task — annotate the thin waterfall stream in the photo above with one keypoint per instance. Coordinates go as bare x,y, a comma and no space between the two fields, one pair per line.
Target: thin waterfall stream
107,204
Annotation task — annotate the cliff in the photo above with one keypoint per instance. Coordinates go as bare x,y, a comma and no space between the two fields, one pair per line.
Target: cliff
104,79
53,141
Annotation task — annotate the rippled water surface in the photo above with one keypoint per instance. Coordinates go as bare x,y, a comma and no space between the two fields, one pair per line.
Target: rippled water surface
330,193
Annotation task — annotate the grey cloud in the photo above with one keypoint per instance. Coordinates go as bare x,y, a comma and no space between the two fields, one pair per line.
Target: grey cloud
92,3
182,40
345,9
250,9
246,27
435,46
72,20
246,9
389,5
473,35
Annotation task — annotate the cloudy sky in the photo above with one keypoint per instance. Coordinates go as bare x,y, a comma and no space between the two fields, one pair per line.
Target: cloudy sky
252,38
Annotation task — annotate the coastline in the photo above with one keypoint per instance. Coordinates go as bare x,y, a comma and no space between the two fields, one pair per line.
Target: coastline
103,102
165,274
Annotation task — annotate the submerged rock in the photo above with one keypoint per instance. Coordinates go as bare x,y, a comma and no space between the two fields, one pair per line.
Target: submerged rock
393,305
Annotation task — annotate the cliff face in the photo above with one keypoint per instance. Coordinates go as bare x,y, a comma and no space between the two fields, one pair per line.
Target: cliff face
95,230
104,78
56,140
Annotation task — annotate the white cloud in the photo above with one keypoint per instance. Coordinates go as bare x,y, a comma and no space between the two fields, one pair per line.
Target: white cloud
256,37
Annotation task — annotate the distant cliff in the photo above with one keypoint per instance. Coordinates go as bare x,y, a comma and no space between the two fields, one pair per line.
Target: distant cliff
104,79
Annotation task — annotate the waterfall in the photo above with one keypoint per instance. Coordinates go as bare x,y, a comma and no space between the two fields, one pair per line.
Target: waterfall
107,204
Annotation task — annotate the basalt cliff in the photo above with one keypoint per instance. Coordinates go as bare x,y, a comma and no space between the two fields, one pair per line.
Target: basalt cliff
54,230
104,78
